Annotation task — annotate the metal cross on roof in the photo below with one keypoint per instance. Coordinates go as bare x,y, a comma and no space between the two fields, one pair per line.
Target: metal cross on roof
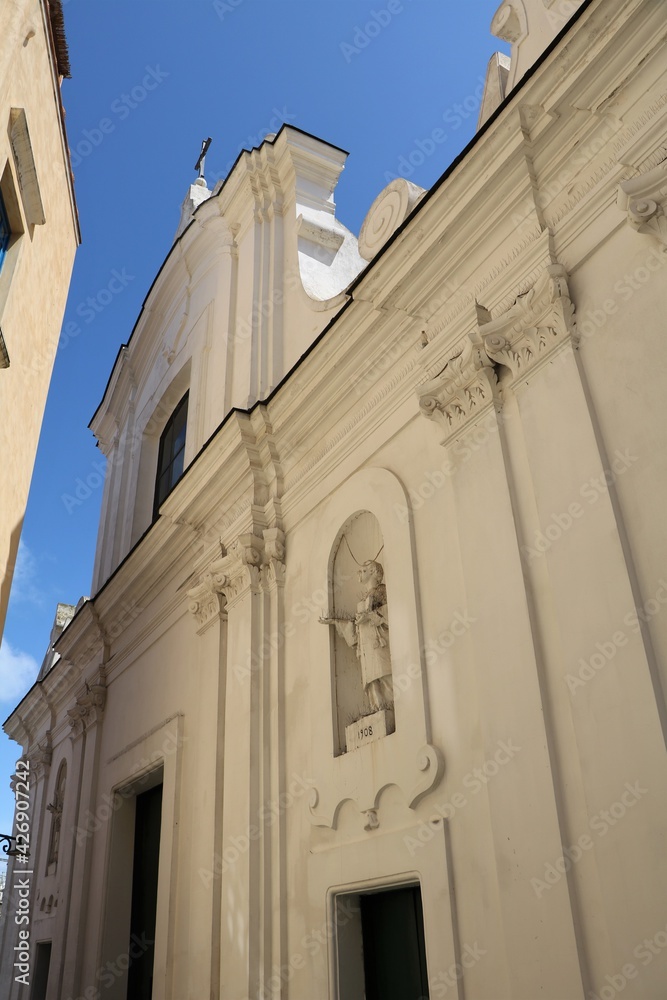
199,165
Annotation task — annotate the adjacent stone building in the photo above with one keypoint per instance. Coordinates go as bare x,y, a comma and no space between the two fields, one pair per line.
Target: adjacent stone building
39,234
369,698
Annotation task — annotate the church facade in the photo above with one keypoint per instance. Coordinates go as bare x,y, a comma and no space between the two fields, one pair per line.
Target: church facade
369,698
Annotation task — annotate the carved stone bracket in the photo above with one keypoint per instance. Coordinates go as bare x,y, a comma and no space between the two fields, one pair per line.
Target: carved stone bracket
644,199
88,708
237,573
466,386
539,322
273,570
415,781
251,563
206,605
40,757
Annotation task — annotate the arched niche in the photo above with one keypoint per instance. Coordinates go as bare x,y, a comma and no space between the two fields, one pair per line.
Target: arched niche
406,758
360,644
55,807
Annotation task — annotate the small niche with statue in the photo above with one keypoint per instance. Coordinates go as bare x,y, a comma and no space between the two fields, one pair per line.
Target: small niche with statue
358,617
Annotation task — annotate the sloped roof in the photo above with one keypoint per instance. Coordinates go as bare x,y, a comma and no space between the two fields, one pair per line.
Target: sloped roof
57,21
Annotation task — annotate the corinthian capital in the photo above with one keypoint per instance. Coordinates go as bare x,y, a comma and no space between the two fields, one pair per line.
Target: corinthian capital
273,571
644,199
540,321
238,572
88,708
464,388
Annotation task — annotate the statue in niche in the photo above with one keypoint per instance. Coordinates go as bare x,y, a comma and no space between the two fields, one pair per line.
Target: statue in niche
368,630
56,810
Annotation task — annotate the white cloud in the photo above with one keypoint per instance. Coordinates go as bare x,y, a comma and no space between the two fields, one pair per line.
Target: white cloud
25,575
18,672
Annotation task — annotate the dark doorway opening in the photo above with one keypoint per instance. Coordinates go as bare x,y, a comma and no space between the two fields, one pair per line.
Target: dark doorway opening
41,974
392,923
144,893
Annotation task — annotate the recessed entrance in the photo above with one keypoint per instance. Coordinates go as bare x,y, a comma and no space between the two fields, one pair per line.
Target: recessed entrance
380,945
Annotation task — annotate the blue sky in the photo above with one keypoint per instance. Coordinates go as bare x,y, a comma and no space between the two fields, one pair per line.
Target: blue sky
396,82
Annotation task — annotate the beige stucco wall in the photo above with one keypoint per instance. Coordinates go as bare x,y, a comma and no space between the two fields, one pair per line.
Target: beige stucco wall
35,277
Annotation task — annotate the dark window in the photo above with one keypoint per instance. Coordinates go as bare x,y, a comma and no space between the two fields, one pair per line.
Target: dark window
5,231
171,454
393,945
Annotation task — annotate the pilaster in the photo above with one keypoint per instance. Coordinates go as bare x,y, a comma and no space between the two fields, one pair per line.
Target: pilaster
85,719
466,399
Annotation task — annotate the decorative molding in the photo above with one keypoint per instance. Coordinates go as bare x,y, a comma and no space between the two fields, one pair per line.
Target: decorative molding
206,605
372,822
251,563
88,708
644,199
40,757
238,573
273,570
324,805
530,247
538,323
387,213
462,390
315,457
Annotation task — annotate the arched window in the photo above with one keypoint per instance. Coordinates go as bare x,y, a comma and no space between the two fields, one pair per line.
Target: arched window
56,810
171,454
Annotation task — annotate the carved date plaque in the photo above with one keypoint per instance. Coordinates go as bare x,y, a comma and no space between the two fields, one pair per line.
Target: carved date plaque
368,729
